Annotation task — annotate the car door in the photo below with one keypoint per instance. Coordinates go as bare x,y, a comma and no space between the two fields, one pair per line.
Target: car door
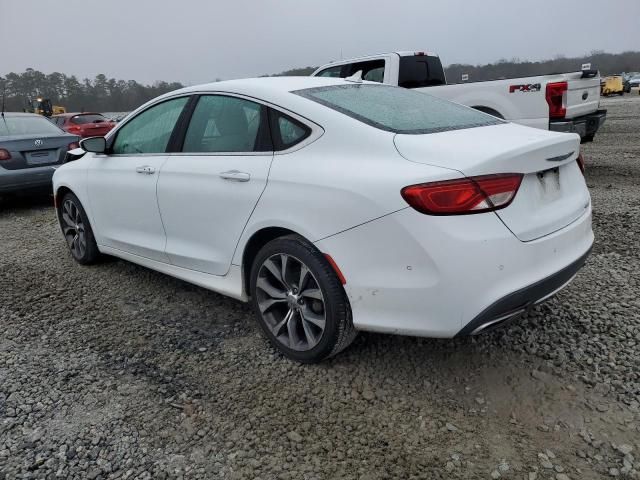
208,191
122,183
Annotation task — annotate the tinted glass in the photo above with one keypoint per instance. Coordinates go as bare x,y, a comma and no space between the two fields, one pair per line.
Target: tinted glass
88,118
225,124
372,70
420,71
288,131
374,75
27,126
149,132
397,109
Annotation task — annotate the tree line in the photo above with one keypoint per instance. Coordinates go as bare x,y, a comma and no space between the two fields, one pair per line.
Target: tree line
606,63
101,94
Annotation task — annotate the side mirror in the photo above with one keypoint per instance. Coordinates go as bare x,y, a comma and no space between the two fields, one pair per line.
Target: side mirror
94,144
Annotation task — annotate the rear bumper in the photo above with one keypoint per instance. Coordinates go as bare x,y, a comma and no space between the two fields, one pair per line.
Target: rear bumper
16,180
521,300
414,274
585,126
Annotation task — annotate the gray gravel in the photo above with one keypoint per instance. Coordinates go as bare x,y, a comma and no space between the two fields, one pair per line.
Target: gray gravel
115,371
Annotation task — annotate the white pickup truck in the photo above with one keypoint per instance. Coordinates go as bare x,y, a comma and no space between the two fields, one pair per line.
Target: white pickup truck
563,102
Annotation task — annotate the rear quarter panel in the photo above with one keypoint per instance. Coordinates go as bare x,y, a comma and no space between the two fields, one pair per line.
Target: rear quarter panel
352,175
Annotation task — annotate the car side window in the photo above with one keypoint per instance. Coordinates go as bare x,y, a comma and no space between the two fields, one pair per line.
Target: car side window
227,124
149,131
372,70
333,72
287,131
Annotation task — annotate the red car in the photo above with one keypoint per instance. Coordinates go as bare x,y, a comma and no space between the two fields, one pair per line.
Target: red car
84,124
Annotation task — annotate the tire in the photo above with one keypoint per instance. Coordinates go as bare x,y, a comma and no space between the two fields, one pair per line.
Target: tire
310,325
77,230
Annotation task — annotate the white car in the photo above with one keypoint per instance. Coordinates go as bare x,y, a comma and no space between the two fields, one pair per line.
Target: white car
334,206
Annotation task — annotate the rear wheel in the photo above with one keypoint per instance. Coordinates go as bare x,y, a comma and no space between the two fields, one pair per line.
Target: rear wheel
299,301
77,230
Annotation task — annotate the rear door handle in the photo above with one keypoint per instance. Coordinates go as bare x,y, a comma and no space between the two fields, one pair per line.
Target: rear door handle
146,169
235,176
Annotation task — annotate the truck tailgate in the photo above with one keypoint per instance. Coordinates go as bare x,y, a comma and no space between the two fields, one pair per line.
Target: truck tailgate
583,95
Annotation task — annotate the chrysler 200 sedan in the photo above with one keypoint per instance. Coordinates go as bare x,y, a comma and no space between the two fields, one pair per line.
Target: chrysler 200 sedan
333,206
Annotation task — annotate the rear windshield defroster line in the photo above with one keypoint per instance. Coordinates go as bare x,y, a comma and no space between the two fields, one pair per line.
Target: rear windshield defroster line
397,110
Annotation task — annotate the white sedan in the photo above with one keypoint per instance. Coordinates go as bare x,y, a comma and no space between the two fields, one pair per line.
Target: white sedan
334,206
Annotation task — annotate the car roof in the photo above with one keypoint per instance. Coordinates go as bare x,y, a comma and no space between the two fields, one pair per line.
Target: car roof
276,90
21,114
273,84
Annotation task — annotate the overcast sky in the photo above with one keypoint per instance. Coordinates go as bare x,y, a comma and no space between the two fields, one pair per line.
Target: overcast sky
195,41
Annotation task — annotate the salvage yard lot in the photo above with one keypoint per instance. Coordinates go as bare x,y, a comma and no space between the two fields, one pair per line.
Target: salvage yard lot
115,371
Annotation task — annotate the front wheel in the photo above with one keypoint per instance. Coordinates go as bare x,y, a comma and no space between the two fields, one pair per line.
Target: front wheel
77,230
299,302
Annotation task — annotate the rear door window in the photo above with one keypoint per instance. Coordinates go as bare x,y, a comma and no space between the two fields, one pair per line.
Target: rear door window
332,72
372,70
227,124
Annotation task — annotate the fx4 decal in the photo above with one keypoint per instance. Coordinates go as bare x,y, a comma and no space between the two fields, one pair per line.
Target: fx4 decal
531,87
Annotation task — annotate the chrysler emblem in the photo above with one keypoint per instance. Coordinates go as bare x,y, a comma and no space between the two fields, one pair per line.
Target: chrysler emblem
38,143
585,95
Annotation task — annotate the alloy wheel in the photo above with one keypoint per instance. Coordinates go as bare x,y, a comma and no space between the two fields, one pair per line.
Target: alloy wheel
291,302
73,229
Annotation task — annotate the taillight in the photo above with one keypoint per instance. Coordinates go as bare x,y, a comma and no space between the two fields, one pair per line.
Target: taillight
463,196
580,161
556,99
73,129
73,145
4,154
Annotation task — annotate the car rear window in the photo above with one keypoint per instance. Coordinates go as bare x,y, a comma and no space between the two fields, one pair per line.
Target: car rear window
420,71
396,109
87,118
27,126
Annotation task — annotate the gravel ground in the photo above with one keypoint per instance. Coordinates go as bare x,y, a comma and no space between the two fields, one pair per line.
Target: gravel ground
115,371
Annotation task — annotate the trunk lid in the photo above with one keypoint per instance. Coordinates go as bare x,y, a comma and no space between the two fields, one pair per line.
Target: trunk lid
28,151
583,95
553,191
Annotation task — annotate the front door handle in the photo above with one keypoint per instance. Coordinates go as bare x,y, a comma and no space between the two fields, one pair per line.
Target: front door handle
146,169
235,176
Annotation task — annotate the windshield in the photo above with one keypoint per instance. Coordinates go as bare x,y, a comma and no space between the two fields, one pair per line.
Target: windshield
396,109
88,118
27,125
